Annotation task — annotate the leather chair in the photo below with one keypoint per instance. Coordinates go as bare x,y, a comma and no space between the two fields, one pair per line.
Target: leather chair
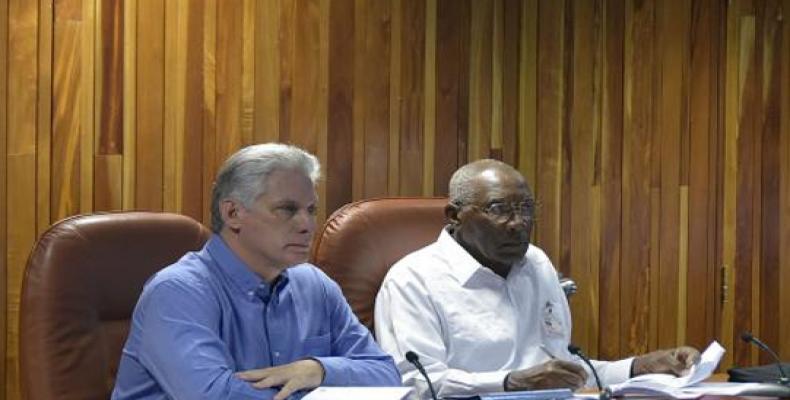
81,284
359,243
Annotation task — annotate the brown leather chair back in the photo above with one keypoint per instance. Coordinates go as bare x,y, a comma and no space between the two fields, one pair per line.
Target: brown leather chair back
82,282
360,242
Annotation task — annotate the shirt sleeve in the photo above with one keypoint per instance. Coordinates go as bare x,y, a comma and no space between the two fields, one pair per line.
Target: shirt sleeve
356,359
407,321
181,349
610,372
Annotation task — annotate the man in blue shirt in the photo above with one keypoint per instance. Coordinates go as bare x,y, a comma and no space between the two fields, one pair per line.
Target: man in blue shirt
245,317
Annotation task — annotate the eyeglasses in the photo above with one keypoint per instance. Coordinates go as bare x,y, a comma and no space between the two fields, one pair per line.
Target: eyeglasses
502,212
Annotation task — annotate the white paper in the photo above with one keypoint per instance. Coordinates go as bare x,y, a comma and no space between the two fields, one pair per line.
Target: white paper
671,385
357,393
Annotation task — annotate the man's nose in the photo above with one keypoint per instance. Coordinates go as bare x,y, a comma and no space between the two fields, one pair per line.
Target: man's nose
305,222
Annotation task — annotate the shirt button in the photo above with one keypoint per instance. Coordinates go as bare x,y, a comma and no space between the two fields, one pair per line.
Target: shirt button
277,354
251,293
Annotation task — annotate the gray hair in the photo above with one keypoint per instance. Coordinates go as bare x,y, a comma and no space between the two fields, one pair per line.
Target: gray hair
461,190
243,176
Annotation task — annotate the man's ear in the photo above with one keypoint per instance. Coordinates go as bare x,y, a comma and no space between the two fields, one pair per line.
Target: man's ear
230,211
451,212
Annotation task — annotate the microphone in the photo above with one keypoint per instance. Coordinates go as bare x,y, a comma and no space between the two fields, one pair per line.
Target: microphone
413,358
749,338
577,351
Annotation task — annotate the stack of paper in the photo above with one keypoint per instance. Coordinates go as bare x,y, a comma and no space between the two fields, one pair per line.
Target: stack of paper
692,385
357,393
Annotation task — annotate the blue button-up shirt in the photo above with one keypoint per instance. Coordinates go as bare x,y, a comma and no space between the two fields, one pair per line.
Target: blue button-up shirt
208,316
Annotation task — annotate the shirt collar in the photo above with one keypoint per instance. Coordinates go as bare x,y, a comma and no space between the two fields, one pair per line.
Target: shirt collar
241,276
464,266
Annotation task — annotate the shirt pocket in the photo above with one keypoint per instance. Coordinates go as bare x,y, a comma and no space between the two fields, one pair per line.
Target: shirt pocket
318,346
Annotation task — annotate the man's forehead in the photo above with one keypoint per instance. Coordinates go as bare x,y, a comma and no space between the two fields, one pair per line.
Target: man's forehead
492,184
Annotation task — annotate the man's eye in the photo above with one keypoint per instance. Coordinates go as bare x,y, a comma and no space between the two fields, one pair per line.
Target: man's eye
312,210
498,209
287,210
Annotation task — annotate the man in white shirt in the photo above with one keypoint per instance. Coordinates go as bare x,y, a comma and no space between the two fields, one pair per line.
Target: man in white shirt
483,308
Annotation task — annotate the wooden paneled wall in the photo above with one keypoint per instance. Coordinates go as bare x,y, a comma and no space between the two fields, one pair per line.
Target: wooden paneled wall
656,134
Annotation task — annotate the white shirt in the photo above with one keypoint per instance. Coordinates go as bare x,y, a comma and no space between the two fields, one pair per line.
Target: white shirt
469,326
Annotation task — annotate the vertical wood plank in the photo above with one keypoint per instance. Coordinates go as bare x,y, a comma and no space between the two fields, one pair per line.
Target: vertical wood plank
376,85
323,108
129,103
22,81
108,183
150,105
583,129
286,77
672,26
701,119
88,112
497,66
3,193
730,166
229,24
528,91
784,278
193,190
748,127
175,73
429,99
340,130
480,73
770,265
359,102
210,154
65,175
452,73
611,177
248,39
510,81
636,203
267,71
396,49
306,91
412,106
551,35
44,111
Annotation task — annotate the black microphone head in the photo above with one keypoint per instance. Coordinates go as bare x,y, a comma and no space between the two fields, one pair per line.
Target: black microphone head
747,336
575,350
412,357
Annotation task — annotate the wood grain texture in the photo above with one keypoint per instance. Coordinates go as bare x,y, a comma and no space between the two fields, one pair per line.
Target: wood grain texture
452,49
611,178
480,79
549,123
770,155
340,127
784,274
149,109
654,133
20,165
44,115
3,195
636,193
411,102
129,103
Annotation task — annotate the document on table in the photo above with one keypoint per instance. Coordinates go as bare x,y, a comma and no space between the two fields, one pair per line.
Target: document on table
357,393
674,386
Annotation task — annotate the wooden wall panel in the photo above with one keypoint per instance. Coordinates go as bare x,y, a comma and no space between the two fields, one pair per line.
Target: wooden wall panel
3,195
655,134
611,178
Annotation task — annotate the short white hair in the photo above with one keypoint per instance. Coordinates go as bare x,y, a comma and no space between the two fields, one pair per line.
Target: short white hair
461,190
243,176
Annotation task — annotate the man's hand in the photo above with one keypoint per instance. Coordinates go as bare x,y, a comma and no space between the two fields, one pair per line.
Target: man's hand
550,375
675,361
303,374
